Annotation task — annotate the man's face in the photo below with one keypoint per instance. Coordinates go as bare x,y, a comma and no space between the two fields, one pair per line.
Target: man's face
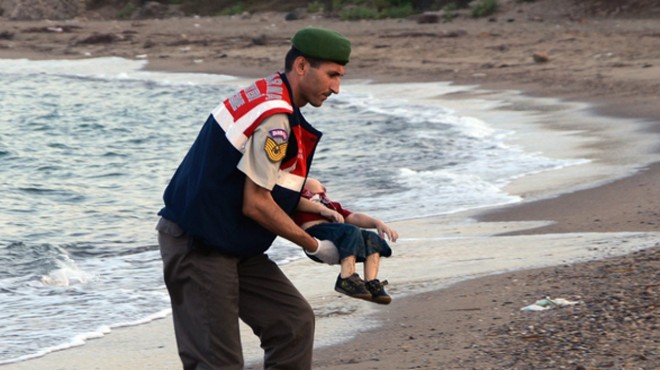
318,83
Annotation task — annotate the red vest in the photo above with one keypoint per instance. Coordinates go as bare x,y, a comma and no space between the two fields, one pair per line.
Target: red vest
205,195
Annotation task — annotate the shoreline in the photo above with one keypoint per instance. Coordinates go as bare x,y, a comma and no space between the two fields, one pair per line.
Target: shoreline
154,343
465,321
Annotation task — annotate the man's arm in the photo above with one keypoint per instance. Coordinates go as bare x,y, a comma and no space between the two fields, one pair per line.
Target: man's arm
259,205
260,164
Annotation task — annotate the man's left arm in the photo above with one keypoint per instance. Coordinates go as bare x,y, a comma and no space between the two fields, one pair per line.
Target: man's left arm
259,205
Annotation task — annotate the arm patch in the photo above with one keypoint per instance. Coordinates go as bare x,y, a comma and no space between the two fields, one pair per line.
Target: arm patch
274,151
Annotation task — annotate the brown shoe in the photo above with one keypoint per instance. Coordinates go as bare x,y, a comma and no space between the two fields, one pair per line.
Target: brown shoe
352,286
378,293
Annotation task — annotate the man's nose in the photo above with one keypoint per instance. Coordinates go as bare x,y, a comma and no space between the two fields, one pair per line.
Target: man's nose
334,86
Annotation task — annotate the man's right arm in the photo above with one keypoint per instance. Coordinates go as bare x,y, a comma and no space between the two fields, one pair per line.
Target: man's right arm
259,205
260,164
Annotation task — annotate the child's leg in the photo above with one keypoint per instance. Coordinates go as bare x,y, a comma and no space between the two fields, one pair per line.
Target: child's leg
375,248
349,283
371,266
374,286
347,267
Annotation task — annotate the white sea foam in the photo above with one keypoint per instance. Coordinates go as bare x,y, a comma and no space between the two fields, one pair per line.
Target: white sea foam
66,274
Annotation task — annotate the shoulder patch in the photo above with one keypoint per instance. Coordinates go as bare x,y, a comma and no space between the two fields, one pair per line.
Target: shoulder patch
276,144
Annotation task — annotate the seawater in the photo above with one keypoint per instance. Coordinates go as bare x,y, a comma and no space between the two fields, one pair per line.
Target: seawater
87,148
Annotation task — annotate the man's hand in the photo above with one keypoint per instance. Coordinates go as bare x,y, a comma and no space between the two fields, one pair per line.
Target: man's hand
326,252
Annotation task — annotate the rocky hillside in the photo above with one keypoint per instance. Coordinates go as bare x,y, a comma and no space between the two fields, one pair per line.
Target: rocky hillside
143,9
41,9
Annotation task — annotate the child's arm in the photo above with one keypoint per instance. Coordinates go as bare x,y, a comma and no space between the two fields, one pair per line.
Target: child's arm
367,222
306,205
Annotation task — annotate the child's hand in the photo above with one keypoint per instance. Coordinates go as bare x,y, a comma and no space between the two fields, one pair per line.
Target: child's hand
386,232
332,215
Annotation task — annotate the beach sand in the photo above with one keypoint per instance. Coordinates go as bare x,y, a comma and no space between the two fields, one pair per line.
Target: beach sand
554,243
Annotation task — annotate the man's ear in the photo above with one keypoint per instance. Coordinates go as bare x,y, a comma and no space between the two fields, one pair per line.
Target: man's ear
300,64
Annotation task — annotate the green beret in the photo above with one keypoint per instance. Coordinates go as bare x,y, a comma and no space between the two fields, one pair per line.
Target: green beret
323,44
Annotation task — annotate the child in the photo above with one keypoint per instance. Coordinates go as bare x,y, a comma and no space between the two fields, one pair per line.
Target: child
327,220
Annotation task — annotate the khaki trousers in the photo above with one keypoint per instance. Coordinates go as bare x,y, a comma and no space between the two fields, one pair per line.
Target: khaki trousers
210,291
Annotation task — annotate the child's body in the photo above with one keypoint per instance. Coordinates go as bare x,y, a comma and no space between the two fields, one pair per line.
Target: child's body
328,220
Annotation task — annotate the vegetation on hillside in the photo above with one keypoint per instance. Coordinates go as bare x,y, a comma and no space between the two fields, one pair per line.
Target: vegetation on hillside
344,9
365,9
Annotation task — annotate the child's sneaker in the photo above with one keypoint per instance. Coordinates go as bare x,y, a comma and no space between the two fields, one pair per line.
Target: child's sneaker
378,293
352,286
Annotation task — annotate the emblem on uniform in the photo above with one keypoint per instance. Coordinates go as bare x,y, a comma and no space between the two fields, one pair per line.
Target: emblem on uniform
276,151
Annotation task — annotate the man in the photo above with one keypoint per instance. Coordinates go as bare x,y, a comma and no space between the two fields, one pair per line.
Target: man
231,196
